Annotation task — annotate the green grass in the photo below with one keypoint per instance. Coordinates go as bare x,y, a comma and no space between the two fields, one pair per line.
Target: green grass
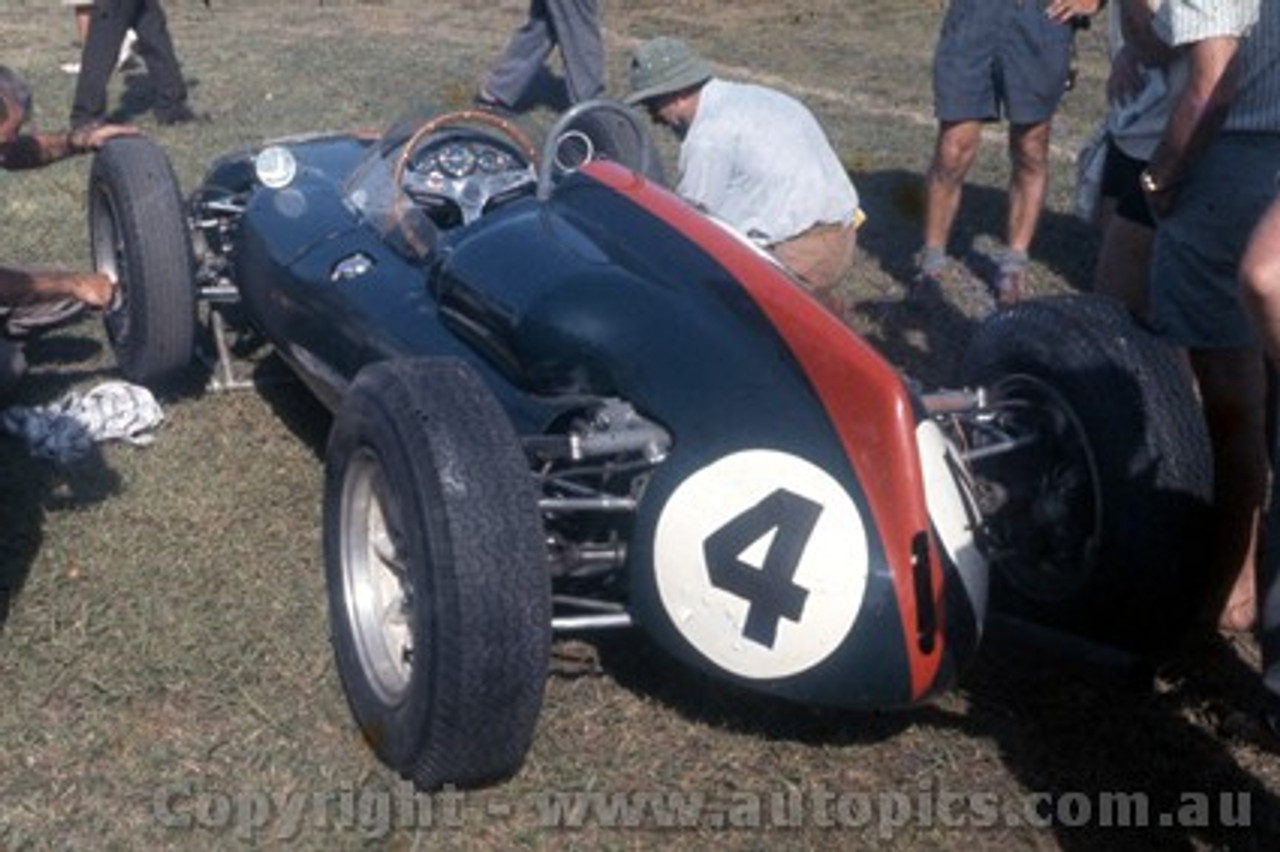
167,642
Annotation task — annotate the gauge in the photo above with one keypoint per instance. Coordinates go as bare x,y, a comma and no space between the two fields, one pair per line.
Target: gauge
457,160
427,164
492,161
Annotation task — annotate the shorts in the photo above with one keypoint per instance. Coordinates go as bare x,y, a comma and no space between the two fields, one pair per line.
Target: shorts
1196,298
820,256
1000,59
1120,181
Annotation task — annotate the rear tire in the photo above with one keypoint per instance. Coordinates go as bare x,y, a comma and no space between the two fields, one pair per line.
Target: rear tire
439,594
1104,516
138,233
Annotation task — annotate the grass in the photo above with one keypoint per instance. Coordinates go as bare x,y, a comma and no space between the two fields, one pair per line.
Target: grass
165,672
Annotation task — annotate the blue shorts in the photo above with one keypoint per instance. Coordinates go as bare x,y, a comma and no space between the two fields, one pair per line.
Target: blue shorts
1000,59
1196,299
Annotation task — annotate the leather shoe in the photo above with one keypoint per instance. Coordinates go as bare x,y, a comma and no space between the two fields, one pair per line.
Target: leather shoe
483,100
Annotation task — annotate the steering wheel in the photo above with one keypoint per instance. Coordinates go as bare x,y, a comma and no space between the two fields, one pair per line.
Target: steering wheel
471,191
598,129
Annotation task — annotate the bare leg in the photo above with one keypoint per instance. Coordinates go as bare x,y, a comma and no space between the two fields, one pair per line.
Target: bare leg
1233,389
82,14
1260,271
1028,182
953,154
1124,263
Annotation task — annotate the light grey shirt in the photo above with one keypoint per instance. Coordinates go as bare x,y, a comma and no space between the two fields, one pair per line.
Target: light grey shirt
758,160
1256,108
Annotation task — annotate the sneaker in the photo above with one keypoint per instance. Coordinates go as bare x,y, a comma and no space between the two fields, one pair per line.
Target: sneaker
929,280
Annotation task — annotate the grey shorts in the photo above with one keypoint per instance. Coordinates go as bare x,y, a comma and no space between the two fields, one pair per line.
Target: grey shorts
1196,299
1000,59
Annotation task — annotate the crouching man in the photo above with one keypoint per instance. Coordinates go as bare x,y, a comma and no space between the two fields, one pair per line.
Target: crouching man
755,158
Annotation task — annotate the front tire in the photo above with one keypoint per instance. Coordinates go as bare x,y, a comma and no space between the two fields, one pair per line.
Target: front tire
437,573
138,233
1105,508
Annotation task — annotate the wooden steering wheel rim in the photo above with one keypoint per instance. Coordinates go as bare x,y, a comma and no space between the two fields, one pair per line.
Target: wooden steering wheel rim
466,116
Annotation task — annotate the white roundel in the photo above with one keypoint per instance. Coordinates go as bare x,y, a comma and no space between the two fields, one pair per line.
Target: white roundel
761,563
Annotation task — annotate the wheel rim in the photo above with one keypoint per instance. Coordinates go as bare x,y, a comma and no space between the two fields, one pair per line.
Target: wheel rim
109,259
1049,536
377,592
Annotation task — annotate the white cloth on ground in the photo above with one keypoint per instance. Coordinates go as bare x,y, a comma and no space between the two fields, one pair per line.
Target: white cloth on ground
65,430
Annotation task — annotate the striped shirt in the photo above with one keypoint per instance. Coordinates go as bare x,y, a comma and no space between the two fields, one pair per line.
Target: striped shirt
1256,107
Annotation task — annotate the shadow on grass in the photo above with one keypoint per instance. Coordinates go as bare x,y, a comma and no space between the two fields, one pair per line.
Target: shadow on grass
30,487
920,335
642,667
1119,757
1064,245
1112,757
139,96
293,404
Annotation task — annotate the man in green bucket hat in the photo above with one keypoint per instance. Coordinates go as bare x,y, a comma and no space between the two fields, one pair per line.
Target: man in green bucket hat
755,158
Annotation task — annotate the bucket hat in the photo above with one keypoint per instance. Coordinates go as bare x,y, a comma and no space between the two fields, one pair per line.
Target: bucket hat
662,66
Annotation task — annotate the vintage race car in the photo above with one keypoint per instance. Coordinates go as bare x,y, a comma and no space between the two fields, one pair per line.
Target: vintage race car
566,402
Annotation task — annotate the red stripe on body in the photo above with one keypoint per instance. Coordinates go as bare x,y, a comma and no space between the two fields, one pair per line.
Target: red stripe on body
872,414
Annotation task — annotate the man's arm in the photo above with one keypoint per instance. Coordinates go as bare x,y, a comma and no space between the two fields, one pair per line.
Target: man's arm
1196,118
1137,18
34,150
19,287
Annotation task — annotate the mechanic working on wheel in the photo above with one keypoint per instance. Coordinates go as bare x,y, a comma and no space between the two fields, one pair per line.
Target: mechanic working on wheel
756,158
35,301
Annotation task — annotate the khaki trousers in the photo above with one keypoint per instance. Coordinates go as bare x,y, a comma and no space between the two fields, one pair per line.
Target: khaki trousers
820,256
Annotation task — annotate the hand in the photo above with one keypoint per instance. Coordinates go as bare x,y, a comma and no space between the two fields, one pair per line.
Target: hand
94,289
91,137
1161,203
1062,11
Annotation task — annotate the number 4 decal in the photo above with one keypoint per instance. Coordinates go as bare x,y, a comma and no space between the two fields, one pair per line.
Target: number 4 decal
769,589
760,560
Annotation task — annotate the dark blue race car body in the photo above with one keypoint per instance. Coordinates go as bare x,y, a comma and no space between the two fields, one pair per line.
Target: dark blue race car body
714,458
